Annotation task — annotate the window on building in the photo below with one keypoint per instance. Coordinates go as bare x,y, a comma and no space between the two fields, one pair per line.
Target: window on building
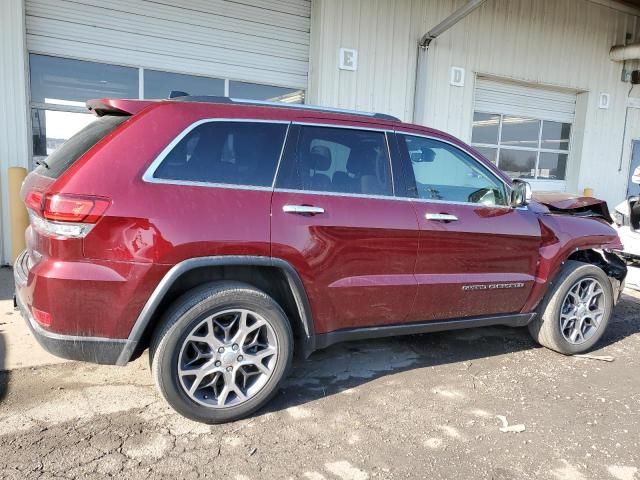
444,172
61,86
523,147
59,89
160,84
236,153
338,160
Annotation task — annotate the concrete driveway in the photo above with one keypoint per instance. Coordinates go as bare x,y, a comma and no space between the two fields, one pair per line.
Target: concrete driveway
424,406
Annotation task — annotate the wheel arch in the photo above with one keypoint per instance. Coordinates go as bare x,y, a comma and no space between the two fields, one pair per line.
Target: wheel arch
275,276
597,255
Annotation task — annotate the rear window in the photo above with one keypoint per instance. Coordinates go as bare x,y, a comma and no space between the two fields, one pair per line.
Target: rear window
235,153
70,151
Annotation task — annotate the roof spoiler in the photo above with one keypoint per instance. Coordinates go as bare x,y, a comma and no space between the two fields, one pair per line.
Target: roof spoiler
118,107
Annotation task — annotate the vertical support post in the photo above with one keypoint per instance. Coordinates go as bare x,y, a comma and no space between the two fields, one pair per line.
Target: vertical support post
14,127
18,212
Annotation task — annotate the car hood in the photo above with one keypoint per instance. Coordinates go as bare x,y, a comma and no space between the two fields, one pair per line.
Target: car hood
563,203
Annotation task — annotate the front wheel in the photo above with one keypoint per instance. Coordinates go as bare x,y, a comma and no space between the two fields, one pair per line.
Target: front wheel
575,313
221,351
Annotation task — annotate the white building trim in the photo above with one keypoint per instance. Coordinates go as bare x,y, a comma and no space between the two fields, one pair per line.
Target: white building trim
14,131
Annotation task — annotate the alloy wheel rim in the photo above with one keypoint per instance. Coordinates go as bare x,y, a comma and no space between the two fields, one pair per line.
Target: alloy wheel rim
227,358
582,311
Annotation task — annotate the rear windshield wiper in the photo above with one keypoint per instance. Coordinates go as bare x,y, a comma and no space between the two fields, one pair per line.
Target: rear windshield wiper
43,163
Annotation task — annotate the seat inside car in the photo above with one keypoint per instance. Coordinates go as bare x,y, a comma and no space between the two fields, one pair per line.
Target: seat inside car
316,161
362,177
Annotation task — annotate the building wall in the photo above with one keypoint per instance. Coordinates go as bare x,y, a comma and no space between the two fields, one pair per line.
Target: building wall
261,40
13,107
562,44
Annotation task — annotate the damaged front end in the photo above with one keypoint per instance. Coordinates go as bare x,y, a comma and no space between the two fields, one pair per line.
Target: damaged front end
612,263
565,204
580,228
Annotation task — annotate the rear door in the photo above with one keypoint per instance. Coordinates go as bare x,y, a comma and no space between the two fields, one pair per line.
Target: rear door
335,219
477,256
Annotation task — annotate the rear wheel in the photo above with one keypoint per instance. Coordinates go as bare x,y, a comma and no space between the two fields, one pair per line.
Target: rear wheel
576,312
221,352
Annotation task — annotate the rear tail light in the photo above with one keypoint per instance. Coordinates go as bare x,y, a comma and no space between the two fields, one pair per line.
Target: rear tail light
74,208
63,215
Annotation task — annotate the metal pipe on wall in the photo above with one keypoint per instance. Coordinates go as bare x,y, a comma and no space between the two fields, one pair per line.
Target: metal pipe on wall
420,86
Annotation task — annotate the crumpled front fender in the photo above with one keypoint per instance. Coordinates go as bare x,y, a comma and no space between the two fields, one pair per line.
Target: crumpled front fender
563,236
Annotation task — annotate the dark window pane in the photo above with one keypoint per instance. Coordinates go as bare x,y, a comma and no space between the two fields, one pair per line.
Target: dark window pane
254,91
518,163
490,154
444,172
338,160
236,153
160,84
520,132
552,166
63,80
485,128
64,156
555,135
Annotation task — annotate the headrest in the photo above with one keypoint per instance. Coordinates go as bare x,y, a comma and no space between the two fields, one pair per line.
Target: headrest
320,158
362,160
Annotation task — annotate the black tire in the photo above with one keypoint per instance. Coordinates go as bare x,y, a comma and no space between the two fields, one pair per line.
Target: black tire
546,327
183,316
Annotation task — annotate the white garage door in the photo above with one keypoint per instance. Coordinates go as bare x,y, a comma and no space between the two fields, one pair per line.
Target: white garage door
526,130
259,41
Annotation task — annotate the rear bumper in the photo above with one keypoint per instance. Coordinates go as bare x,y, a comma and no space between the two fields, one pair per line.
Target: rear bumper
73,347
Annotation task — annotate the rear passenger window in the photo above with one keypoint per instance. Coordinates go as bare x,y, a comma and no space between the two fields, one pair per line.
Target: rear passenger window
338,160
236,153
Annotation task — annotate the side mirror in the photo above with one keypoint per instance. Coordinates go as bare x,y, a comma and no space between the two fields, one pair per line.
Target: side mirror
521,193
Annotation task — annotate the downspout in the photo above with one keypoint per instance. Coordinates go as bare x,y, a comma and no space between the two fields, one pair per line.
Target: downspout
423,49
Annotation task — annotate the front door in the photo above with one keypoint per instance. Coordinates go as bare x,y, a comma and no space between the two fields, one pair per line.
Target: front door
477,256
335,219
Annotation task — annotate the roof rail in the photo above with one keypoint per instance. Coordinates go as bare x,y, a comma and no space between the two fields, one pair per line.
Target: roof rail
314,108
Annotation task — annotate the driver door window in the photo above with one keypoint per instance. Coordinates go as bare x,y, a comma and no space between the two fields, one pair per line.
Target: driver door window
445,173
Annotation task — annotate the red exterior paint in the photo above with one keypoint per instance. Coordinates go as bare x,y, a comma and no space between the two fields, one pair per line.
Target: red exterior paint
485,246
356,260
365,262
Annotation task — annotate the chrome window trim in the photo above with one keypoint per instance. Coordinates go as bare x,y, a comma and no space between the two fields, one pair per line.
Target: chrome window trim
339,194
390,160
474,158
148,177
284,145
452,202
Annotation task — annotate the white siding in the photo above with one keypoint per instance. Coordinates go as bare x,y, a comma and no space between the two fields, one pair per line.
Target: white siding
252,40
13,107
561,44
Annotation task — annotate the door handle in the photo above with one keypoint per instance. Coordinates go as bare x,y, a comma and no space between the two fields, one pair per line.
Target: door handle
302,209
441,217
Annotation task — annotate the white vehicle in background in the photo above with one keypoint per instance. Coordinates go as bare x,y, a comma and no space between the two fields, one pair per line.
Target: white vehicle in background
627,222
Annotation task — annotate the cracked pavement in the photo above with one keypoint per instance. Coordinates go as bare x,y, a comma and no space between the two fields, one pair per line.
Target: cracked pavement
422,406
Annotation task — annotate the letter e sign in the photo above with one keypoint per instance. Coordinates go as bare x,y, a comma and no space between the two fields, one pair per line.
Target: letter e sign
348,59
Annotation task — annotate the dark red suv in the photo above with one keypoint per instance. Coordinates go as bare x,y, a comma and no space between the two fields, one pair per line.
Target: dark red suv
225,235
